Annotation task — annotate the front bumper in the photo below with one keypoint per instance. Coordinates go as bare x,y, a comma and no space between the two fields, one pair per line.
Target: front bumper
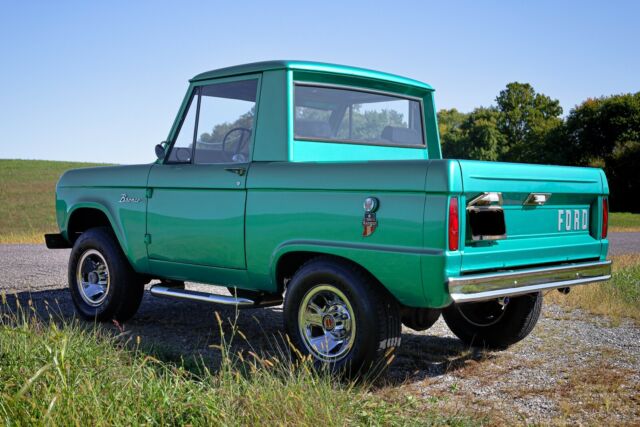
56,241
479,287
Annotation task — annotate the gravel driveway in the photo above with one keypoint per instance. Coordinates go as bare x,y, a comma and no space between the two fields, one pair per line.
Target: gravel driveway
574,368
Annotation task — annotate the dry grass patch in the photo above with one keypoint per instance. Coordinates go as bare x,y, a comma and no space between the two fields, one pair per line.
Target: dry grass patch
624,221
34,237
595,393
617,298
600,393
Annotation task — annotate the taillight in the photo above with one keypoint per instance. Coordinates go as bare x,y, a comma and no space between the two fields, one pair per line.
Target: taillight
454,225
605,217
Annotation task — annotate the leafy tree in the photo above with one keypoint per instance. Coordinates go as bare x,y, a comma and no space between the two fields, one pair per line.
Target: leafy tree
526,126
369,124
596,126
606,132
471,136
484,139
449,121
623,176
449,126
525,119
365,124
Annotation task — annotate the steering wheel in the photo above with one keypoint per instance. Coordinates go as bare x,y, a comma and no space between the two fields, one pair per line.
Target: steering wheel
244,140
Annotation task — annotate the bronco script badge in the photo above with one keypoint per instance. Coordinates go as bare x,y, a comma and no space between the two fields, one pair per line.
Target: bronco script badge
124,198
370,222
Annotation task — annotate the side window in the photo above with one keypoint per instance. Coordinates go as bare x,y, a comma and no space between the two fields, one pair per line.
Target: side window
225,122
183,147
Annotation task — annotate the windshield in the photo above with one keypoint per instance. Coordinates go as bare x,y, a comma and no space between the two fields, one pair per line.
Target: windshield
356,116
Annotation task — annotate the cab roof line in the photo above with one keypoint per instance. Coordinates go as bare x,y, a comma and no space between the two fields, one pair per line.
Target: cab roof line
256,67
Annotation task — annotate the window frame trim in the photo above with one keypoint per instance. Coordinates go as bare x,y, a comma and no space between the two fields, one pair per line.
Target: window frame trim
194,91
420,101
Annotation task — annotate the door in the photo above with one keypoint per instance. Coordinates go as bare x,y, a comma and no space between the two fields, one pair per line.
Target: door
196,207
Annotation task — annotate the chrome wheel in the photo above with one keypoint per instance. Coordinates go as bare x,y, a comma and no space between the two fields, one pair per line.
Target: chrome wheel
92,278
327,323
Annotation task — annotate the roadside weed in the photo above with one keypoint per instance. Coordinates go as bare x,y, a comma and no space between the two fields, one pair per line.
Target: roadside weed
66,372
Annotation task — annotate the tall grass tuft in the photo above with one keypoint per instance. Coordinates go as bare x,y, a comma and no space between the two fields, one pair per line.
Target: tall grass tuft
70,373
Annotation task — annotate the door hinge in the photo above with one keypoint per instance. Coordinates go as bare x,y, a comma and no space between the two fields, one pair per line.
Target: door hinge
149,193
147,239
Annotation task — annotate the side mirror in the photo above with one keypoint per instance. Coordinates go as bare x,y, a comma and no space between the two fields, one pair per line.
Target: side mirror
160,153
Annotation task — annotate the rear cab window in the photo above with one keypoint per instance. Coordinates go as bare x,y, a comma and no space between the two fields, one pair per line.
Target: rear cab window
356,116
339,118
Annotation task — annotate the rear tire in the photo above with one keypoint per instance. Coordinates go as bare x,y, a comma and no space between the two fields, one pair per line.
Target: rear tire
492,325
338,314
103,285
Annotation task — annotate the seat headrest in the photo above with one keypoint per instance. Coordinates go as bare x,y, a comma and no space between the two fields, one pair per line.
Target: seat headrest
400,135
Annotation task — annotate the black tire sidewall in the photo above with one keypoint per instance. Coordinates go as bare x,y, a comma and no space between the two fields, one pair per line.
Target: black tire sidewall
120,274
366,348
521,315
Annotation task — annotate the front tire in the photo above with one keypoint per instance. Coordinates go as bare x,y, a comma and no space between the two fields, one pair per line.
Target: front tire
103,285
494,324
337,313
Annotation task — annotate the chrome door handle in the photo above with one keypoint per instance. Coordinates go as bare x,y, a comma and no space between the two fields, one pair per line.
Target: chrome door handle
239,171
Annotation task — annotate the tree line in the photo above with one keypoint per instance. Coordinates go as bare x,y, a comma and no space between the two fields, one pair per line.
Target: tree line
527,126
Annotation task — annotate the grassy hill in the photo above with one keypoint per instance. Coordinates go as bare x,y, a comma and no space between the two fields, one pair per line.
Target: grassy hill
27,200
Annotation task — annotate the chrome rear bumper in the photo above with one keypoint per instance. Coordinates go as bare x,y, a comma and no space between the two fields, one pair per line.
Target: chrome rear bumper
478,287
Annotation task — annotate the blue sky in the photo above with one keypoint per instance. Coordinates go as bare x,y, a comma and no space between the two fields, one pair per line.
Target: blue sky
102,81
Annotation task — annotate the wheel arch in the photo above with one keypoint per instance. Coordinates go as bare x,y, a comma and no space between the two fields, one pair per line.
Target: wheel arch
288,261
88,215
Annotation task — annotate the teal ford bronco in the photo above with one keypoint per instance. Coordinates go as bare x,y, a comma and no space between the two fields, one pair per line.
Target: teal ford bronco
324,187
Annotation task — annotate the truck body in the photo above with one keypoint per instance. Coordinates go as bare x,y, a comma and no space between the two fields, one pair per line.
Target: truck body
327,160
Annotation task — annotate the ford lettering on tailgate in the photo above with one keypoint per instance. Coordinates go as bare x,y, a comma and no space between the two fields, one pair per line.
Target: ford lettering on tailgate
573,219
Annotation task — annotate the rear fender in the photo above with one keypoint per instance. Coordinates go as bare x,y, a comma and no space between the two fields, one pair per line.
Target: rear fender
399,272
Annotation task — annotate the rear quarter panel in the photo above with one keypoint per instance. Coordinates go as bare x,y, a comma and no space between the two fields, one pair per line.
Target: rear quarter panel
318,207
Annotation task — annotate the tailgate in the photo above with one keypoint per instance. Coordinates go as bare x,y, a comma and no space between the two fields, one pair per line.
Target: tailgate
564,227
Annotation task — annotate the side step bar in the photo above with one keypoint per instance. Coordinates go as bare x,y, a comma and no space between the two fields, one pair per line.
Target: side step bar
164,291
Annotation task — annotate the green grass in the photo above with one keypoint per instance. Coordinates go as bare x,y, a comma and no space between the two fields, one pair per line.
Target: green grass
27,198
71,374
624,221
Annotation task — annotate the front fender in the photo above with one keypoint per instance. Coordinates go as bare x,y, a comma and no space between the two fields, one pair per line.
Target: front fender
93,205
127,220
